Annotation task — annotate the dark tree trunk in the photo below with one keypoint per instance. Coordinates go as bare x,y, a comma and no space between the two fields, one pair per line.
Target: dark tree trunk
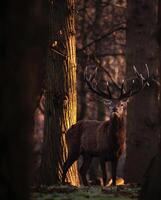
82,107
94,172
23,42
143,111
151,186
98,49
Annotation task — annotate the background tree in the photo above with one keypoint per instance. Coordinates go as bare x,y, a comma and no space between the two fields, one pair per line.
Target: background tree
143,111
100,43
151,185
82,34
61,99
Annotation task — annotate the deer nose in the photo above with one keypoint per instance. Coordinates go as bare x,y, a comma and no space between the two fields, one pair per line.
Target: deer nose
114,109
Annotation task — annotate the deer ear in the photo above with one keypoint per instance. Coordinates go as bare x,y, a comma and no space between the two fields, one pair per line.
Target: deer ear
126,100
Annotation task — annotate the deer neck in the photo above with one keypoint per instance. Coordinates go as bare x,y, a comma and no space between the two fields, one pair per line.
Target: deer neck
116,123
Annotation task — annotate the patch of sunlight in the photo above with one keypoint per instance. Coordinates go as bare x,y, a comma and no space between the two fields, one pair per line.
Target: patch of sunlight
119,181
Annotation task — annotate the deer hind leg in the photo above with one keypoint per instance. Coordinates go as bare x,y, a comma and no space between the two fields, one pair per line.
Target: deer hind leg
114,170
103,167
68,163
85,166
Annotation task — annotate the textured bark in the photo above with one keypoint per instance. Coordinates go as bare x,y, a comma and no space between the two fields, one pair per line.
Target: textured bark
61,99
23,42
143,111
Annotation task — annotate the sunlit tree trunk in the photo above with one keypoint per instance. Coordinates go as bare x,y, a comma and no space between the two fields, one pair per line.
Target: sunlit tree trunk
143,111
61,97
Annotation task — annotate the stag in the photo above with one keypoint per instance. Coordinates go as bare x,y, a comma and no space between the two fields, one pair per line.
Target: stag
103,139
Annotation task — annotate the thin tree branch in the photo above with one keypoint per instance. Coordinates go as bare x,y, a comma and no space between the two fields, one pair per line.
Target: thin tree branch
95,59
103,36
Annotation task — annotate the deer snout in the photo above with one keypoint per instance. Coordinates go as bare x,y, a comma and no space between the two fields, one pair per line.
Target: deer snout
114,109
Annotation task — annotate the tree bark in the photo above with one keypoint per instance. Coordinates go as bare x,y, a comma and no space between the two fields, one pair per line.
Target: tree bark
143,110
61,96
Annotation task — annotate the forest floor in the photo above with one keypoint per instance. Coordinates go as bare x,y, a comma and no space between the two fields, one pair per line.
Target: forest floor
66,192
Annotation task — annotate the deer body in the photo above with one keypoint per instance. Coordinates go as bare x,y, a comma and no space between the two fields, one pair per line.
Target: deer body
106,139
92,138
99,137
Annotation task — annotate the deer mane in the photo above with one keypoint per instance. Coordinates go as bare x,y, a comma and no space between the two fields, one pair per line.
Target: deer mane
117,124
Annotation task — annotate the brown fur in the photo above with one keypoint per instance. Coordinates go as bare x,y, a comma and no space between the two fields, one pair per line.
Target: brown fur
90,138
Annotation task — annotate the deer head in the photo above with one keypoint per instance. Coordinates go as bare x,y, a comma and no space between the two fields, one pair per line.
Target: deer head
117,107
117,104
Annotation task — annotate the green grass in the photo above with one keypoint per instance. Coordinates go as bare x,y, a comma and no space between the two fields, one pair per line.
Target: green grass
84,193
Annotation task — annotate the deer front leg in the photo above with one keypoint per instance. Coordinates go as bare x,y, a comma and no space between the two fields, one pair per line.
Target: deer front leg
85,166
114,170
72,157
103,167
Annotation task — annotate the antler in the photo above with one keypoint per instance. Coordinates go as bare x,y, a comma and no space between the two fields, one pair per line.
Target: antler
132,90
94,87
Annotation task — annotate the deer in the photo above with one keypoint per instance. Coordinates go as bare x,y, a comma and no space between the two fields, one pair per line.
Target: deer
102,139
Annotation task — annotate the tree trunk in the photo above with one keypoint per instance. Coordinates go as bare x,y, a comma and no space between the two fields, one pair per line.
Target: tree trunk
143,111
23,41
94,172
61,97
151,186
98,49
82,60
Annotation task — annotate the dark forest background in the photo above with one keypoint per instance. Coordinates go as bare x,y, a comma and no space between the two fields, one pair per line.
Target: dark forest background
45,48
